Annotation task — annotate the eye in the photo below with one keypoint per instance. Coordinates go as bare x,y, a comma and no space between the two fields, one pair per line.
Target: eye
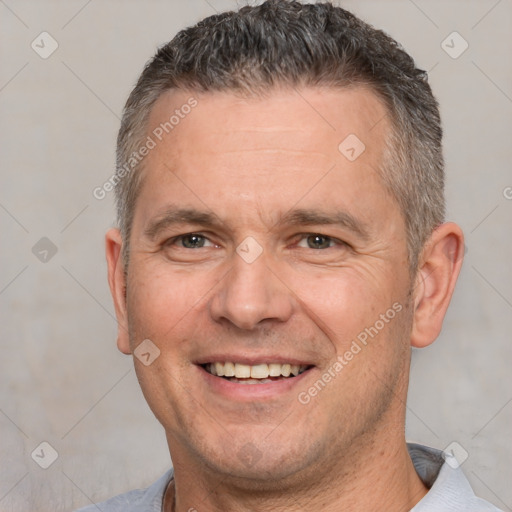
317,241
191,241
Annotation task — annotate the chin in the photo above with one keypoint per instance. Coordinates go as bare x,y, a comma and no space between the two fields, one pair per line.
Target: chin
260,465
266,474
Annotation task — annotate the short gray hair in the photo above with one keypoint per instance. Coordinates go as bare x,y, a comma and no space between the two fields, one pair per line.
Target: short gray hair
287,43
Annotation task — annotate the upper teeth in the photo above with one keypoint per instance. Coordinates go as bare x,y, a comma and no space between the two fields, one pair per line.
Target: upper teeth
258,371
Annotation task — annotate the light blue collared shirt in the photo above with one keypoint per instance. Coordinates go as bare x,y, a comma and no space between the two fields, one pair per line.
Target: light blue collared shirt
449,489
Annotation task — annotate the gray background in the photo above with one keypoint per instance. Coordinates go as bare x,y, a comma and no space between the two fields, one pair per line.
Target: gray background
61,378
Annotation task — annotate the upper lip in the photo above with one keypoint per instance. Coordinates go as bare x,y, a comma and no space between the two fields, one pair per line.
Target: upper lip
252,360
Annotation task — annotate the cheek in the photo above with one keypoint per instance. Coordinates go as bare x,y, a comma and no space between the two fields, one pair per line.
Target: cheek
345,301
159,299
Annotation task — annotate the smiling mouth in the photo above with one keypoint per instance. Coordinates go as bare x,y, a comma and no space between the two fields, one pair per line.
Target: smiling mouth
256,374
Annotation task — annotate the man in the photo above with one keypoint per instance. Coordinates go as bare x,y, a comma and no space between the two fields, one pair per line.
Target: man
281,246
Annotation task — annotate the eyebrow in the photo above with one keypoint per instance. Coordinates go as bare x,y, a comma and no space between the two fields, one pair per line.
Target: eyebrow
296,217
299,217
174,216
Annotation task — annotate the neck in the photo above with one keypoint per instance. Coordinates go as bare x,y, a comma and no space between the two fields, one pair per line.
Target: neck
366,478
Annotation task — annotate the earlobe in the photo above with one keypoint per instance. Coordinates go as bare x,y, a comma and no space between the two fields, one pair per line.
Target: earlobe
440,264
117,283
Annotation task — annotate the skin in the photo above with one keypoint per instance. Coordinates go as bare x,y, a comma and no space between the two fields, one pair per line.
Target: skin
250,163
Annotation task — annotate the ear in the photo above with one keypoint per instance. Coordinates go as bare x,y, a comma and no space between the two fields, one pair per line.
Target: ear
117,283
439,267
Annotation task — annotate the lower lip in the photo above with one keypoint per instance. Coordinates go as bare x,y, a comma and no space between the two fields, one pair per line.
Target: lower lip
249,392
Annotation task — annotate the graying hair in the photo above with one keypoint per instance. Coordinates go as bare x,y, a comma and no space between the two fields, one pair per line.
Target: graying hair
287,43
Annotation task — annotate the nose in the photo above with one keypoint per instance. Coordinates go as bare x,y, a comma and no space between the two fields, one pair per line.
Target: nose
250,294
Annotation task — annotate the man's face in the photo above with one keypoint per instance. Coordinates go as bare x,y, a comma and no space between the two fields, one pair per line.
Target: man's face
257,241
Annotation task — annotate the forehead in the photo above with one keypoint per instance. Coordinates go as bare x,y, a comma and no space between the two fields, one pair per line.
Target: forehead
315,125
215,146
309,116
